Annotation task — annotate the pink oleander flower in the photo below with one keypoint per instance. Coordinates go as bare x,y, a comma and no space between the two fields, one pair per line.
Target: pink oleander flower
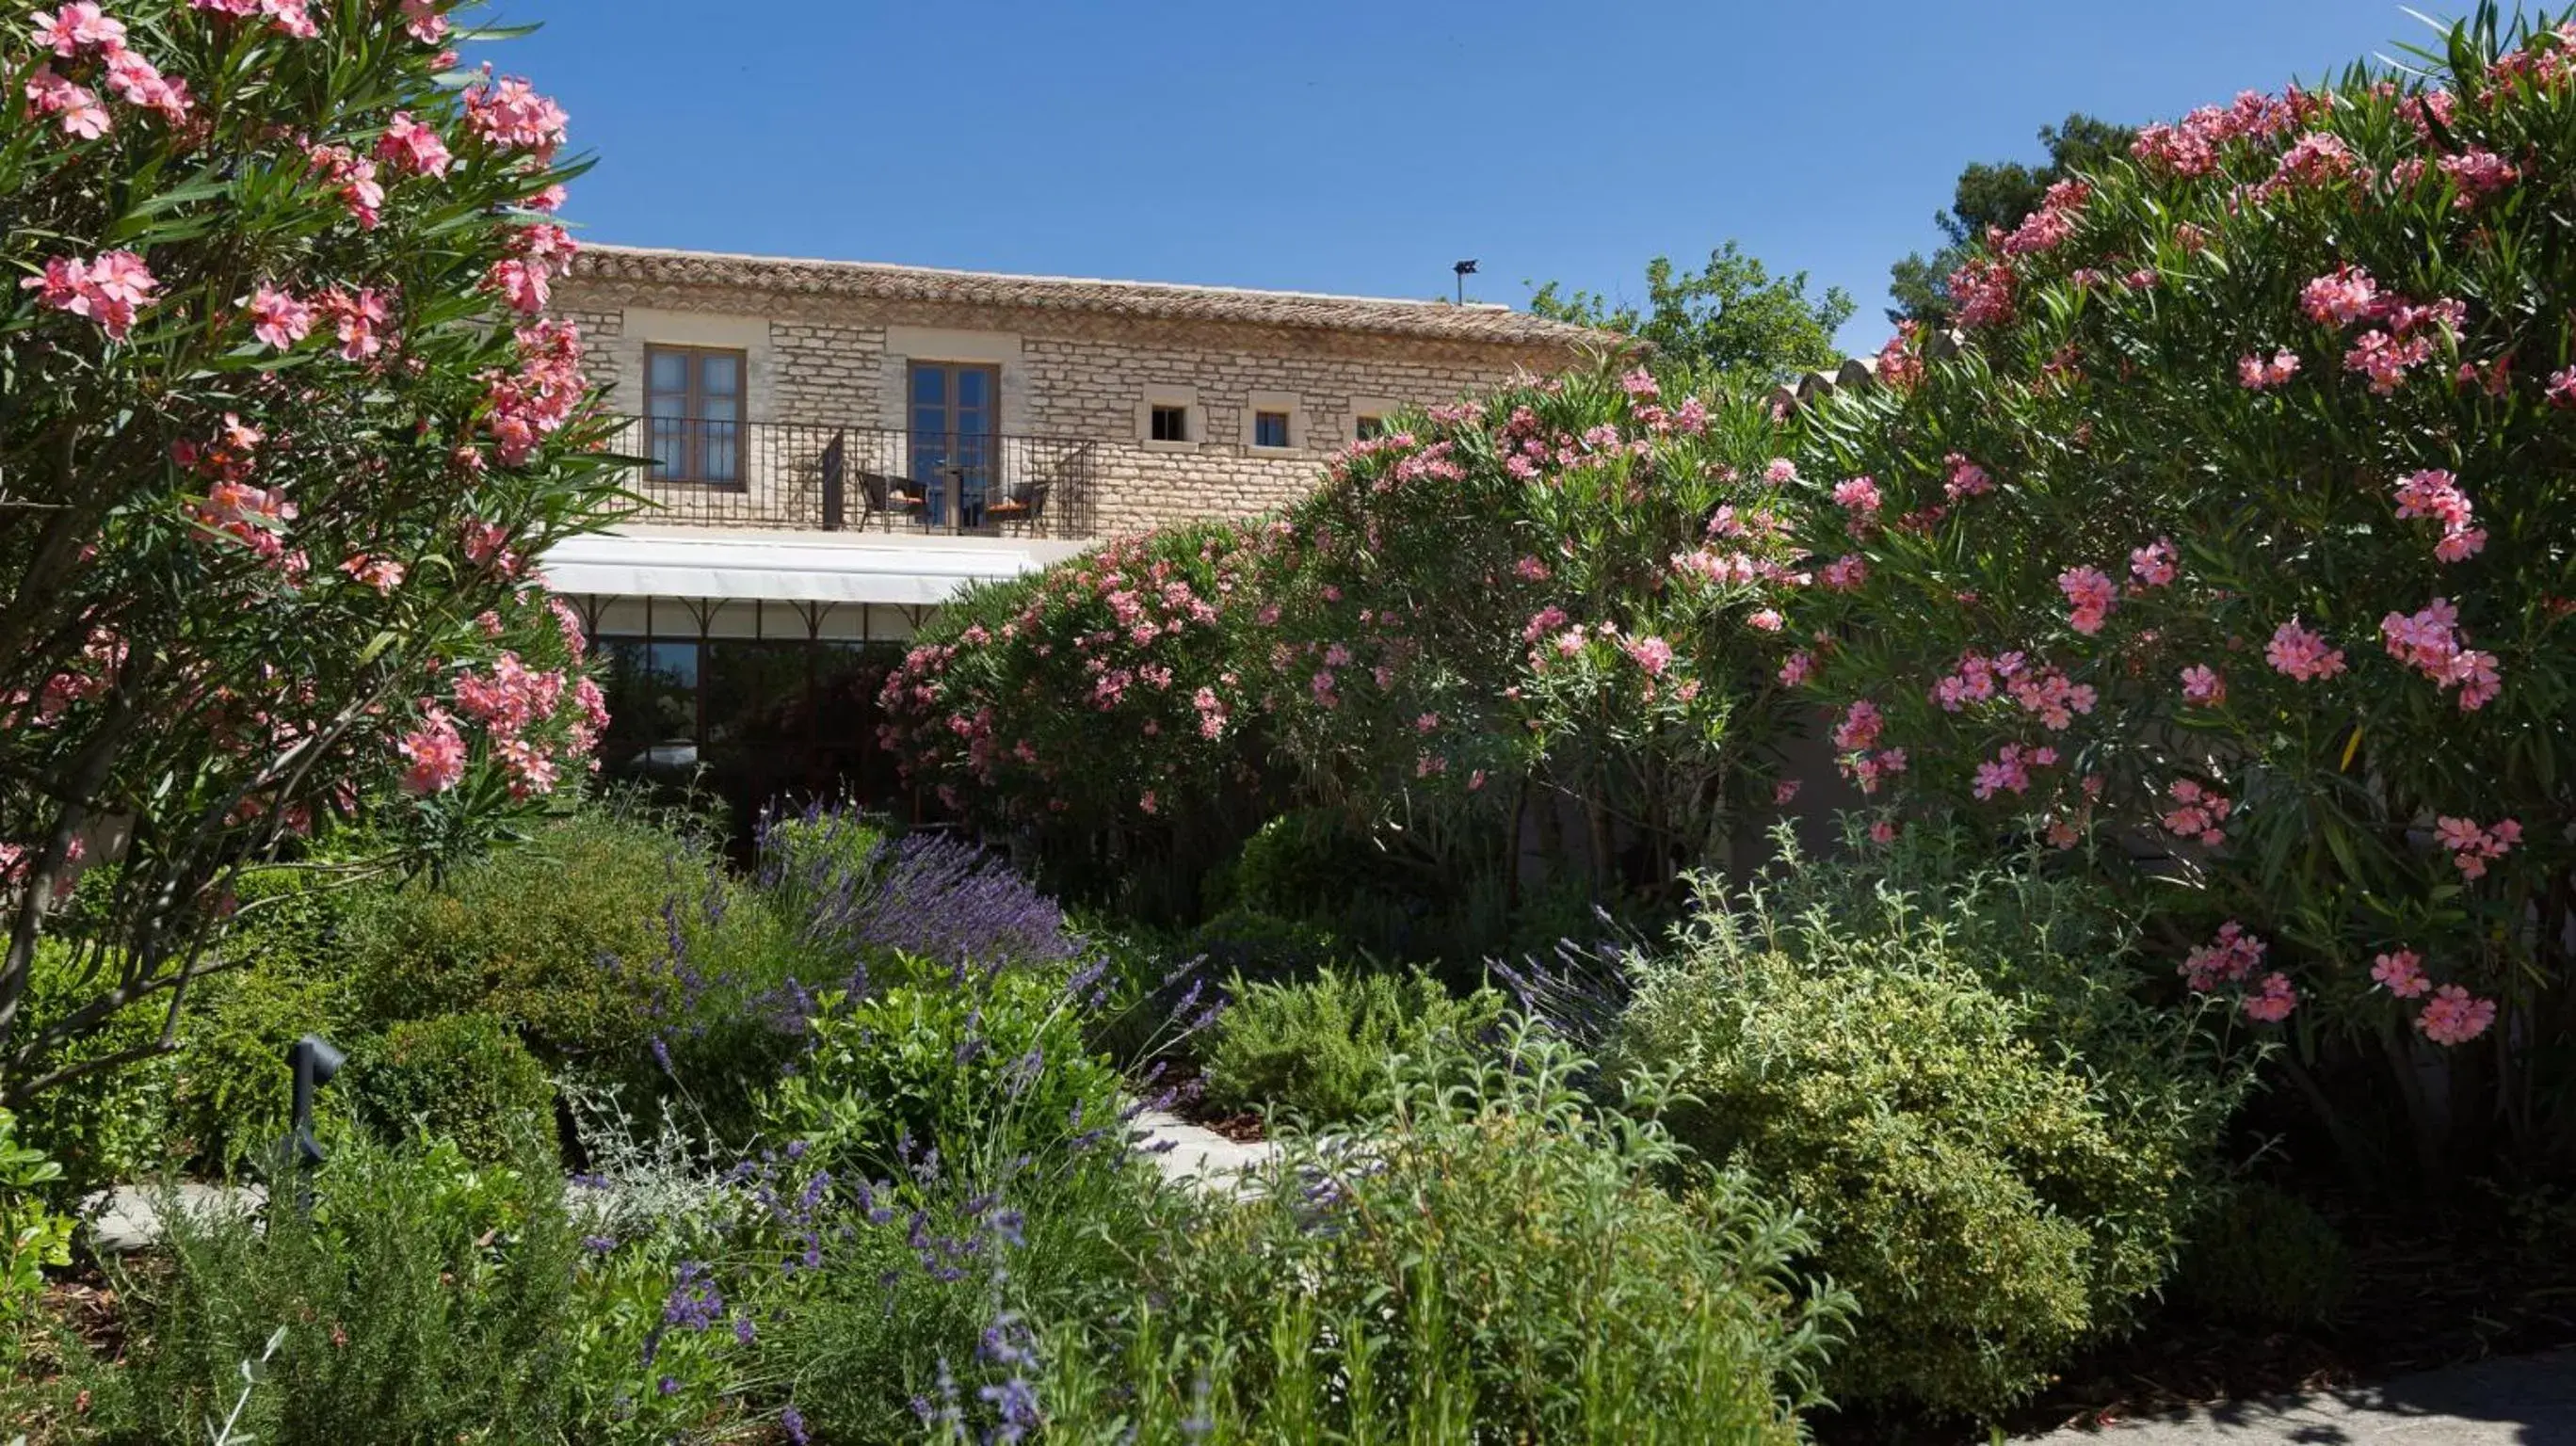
436,753
2156,564
1982,291
1882,832
2401,974
2562,388
278,319
1766,620
1972,681
2430,642
83,116
1858,496
2091,595
423,22
1785,791
2260,375
1545,620
1571,642
2471,847
78,27
2453,1017
111,290
2007,772
2478,174
407,145
2052,697
2301,654
2274,1000
2436,495
2386,359
1860,726
509,115
1967,479
1798,669
2231,958
1652,654
1847,573
359,188
1780,472
354,320
1530,569
382,574
1640,383
2341,297
2202,687
2198,812
2315,159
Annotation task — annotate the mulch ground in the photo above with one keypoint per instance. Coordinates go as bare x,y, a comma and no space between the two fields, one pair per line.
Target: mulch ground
2457,1287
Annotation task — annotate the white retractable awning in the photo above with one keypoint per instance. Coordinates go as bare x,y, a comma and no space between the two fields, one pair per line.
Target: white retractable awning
790,567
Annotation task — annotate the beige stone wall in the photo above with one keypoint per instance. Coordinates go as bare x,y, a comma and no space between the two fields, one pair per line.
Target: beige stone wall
843,361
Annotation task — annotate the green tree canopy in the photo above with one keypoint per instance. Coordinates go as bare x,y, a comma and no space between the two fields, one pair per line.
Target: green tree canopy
1735,319
1999,195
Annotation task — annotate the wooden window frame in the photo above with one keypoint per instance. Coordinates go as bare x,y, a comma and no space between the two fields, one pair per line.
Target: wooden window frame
694,399
1287,429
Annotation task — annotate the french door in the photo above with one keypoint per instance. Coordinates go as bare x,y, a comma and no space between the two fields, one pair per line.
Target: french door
955,419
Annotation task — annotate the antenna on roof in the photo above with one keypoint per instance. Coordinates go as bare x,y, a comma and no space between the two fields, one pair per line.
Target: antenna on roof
1464,269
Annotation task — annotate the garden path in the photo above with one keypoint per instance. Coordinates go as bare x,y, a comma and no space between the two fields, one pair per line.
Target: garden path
2527,1401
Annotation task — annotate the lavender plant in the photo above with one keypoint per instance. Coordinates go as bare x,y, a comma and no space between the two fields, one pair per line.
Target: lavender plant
859,895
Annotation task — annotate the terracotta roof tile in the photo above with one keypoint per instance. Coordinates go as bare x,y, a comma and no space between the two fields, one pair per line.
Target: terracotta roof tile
1148,299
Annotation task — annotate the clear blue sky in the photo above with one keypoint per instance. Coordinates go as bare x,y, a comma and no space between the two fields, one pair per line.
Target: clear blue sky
1331,145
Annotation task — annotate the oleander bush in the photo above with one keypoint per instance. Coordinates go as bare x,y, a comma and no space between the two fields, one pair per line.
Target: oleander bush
1999,1146
2234,529
1332,1049
1564,589
287,430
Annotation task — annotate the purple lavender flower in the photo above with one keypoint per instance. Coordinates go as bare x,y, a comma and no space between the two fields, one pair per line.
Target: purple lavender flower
792,1421
694,1303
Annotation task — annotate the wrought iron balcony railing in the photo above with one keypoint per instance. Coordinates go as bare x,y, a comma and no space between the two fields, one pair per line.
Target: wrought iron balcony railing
802,475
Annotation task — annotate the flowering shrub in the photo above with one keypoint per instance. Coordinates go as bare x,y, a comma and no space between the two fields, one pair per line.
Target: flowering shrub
286,432
2235,531
1104,691
1566,588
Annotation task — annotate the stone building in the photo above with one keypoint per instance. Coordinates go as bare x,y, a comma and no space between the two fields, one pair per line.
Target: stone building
838,447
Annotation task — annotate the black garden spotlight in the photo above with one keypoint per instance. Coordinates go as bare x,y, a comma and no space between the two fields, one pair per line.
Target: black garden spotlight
314,1060
1464,269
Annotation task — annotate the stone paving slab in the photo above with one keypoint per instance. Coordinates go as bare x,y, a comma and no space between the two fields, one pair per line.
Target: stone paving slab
128,1218
1199,1157
2526,1401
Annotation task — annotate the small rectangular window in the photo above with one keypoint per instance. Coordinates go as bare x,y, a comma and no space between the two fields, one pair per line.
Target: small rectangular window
1270,429
1365,428
1171,424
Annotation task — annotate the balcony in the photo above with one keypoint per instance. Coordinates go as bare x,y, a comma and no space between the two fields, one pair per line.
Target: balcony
797,476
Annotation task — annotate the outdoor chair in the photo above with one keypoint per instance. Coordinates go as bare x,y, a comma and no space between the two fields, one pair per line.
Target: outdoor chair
1023,510
887,495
